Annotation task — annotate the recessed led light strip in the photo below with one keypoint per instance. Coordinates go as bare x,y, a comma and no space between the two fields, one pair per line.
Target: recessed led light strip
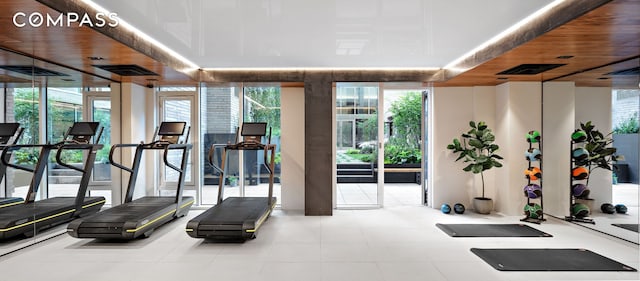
321,69
145,36
501,35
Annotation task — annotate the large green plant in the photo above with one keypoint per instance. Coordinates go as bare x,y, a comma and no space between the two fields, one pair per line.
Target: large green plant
477,148
406,113
601,153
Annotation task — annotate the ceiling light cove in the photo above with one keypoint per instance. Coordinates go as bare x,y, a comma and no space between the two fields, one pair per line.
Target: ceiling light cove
454,65
123,24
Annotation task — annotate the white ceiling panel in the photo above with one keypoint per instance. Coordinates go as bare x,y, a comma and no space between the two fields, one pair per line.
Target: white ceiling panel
322,33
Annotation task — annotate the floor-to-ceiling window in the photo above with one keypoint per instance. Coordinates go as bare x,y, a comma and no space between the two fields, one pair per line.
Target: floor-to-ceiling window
262,104
223,109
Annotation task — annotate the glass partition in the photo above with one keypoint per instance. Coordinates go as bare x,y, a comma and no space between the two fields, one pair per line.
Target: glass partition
45,99
611,103
262,104
219,121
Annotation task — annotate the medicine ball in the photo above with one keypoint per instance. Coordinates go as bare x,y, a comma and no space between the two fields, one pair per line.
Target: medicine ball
579,153
579,210
580,191
533,210
580,173
533,136
607,208
533,154
445,208
532,191
533,173
458,208
621,209
579,136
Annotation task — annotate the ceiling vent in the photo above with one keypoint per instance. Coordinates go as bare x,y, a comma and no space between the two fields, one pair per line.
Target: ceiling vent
529,69
31,70
127,70
629,71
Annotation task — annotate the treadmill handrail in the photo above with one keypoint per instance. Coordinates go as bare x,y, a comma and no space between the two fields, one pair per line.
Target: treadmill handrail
15,147
174,146
113,149
212,152
74,146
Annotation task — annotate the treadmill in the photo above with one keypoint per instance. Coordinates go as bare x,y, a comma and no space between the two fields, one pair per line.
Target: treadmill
31,216
237,218
8,131
140,217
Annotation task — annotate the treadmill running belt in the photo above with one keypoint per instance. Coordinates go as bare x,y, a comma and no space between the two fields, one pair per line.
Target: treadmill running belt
234,218
548,260
627,226
491,230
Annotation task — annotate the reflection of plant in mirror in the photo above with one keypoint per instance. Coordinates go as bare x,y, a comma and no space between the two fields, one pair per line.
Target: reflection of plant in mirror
601,153
627,126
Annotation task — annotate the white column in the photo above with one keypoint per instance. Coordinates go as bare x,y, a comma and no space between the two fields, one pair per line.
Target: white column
558,122
518,111
292,149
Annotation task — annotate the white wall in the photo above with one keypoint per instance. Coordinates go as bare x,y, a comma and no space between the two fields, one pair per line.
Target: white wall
292,149
453,108
518,111
558,123
594,104
133,131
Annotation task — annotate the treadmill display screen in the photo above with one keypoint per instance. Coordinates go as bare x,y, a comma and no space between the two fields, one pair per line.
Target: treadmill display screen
172,128
254,129
82,131
7,130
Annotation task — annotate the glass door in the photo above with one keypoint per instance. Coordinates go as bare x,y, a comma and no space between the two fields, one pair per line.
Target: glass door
99,110
403,153
179,106
358,147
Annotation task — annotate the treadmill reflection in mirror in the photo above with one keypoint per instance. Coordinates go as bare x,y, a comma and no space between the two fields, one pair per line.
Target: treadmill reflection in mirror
140,217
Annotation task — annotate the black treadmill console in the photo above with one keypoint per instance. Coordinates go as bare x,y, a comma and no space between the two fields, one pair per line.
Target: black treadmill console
82,132
253,132
7,130
171,131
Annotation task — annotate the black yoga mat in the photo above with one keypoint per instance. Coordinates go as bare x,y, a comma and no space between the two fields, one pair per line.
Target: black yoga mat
548,260
627,226
491,230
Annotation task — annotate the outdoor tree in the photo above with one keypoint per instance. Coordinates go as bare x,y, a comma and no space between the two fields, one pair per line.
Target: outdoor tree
263,105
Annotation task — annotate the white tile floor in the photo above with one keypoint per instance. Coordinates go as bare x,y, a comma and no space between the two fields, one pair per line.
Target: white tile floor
393,243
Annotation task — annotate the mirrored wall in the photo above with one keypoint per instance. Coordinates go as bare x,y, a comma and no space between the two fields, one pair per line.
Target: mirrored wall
607,98
45,99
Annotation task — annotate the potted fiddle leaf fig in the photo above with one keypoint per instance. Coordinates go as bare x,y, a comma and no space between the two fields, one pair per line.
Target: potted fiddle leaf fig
476,147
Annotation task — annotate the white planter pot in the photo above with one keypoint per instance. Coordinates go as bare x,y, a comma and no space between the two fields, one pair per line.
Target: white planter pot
482,205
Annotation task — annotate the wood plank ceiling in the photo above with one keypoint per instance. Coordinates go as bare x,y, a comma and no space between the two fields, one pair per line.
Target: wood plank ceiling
601,37
74,47
595,42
